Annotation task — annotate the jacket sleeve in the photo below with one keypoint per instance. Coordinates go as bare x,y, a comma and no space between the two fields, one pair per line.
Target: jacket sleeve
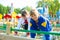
28,23
43,20
20,21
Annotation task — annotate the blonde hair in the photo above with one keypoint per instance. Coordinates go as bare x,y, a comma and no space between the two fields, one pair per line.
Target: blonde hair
33,12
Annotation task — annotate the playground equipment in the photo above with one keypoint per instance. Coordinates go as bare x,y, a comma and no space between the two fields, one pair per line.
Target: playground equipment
7,35
0,17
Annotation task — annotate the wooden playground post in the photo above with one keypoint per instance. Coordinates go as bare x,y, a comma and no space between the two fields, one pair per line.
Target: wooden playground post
8,27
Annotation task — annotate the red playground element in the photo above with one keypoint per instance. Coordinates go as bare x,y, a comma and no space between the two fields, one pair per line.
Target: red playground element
7,16
18,17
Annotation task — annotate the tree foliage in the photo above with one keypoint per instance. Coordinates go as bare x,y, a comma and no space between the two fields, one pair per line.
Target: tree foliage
17,10
6,9
26,8
53,5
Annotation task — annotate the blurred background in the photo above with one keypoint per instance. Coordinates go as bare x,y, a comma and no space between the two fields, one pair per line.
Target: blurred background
10,12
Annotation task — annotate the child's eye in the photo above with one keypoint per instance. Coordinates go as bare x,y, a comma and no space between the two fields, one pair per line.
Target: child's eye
31,16
34,15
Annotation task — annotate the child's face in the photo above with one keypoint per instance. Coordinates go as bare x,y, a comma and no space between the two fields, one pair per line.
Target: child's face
34,17
24,17
27,15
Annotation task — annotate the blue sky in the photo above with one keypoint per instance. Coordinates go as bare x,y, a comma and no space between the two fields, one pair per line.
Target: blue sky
19,3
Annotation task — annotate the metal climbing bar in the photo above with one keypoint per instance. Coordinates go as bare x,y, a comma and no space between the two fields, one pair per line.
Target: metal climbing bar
40,32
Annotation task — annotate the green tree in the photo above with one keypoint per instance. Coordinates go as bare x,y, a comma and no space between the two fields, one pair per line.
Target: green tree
17,10
26,8
7,9
4,9
1,9
53,5
40,3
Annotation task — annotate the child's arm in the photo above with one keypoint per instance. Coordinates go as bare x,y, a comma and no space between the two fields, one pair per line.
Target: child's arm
32,28
19,23
28,23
